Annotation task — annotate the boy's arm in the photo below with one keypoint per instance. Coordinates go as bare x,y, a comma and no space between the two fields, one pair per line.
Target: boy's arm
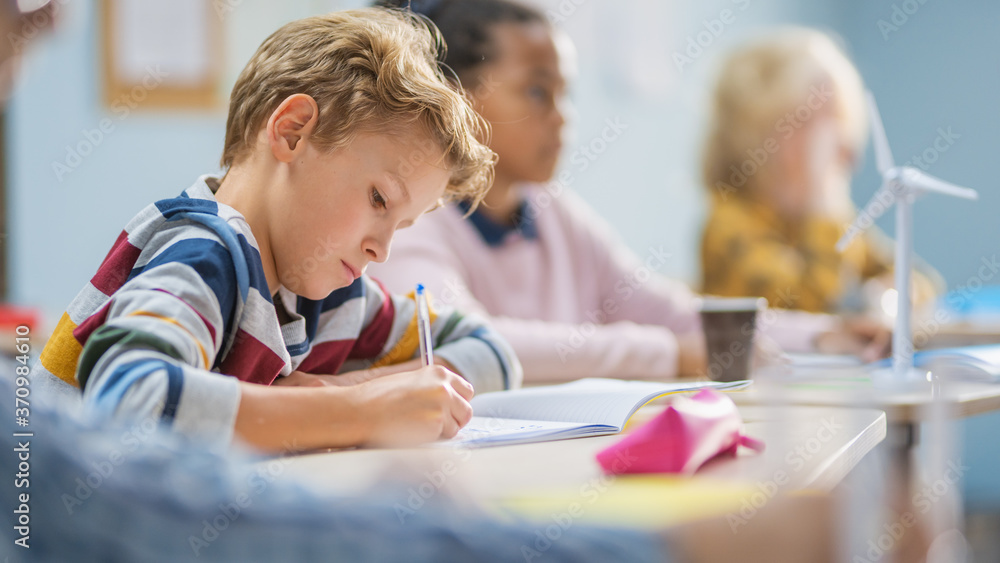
159,334
150,359
464,343
401,409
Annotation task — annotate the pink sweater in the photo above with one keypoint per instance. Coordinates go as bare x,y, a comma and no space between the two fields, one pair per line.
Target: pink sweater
568,295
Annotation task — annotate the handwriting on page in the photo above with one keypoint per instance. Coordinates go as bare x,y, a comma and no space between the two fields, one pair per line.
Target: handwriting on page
487,429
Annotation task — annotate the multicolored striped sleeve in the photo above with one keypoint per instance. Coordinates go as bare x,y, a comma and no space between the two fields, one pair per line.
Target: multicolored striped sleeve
477,352
159,336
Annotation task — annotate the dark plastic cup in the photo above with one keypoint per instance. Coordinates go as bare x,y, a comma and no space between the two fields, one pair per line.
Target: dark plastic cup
730,324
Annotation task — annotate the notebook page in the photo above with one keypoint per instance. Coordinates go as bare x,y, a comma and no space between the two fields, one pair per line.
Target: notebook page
494,431
591,401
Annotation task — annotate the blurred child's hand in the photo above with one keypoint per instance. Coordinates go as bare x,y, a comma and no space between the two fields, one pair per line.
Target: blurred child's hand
924,291
415,407
864,337
766,352
692,357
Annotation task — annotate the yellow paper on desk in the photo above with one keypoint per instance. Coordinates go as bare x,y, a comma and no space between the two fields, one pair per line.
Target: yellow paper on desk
642,501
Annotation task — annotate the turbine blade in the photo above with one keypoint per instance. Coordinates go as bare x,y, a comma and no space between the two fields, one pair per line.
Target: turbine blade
883,154
876,206
920,181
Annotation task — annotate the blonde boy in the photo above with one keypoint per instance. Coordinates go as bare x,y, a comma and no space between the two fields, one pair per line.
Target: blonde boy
341,130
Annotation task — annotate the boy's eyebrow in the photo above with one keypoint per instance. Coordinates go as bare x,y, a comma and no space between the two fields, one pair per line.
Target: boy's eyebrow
400,185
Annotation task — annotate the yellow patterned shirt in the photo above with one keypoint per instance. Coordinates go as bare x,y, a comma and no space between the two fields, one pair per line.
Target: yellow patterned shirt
746,249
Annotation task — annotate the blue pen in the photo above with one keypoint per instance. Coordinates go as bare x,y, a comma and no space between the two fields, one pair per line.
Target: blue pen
424,327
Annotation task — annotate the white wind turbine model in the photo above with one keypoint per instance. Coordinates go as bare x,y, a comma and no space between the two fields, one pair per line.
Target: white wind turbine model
900,185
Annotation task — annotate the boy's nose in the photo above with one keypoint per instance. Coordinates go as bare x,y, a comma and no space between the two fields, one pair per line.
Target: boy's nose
378,250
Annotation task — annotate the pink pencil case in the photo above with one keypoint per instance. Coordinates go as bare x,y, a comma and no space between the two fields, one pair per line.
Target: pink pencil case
691,431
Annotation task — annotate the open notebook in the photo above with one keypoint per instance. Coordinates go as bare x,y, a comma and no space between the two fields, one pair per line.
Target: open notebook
966,363
586,407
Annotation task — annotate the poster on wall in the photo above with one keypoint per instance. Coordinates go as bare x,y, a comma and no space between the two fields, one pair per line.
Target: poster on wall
160,54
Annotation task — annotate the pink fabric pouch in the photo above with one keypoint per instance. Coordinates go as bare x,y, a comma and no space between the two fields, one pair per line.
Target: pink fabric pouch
691,431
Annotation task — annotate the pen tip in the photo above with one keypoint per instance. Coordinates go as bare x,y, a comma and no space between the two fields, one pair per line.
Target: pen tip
420,288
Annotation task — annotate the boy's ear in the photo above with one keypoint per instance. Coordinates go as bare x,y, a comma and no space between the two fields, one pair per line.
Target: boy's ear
291,123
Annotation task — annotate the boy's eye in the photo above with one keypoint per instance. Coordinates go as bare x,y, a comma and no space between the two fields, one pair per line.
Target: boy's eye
377,200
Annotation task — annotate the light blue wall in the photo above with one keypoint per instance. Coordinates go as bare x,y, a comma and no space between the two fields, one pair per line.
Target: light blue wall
939,70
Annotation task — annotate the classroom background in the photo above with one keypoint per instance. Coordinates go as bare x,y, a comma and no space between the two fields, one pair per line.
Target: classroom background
77,170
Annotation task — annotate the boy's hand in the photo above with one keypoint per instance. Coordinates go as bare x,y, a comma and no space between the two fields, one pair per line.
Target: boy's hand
415,407
303,379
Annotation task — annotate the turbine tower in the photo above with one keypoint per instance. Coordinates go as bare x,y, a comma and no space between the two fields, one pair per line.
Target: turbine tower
900,185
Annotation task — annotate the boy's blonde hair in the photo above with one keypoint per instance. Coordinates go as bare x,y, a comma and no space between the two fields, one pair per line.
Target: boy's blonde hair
767,79
369,70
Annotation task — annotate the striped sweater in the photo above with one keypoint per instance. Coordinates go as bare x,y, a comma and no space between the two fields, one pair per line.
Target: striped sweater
181,301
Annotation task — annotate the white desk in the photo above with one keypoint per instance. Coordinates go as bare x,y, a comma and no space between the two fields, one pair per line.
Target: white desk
490,475
961,399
